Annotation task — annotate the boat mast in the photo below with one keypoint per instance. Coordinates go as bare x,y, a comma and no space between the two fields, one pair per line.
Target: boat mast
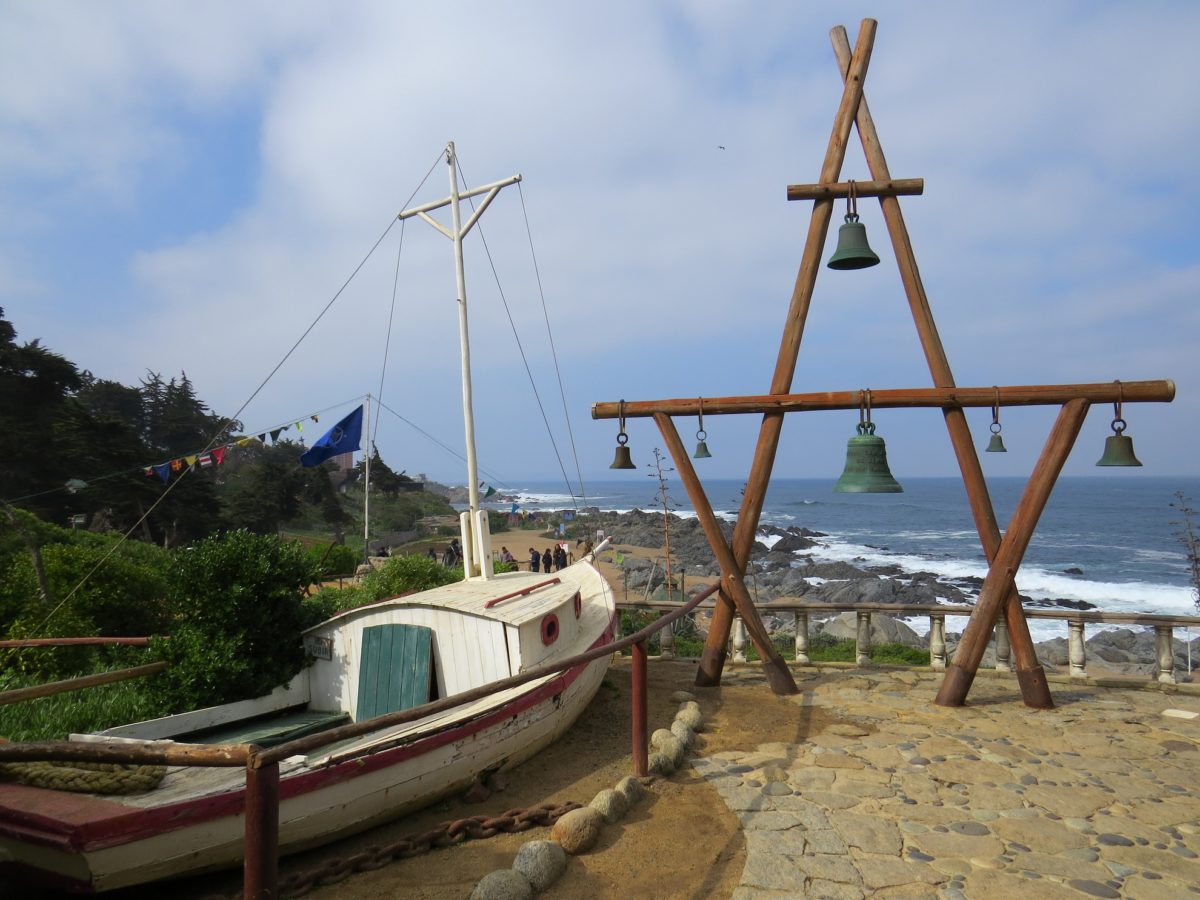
367,486
476,552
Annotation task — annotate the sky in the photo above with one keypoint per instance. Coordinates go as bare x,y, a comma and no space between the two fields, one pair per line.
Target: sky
187,187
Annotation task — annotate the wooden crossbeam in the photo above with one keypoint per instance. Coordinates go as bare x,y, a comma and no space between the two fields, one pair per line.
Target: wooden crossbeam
839,189
939,398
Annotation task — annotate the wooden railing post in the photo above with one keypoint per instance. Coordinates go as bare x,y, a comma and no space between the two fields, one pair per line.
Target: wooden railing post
1003,647
802,638
1076,649
641,761
862,640
1165,644
937,641
261,872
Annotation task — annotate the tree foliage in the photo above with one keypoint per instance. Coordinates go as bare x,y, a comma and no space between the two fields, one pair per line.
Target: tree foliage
239,601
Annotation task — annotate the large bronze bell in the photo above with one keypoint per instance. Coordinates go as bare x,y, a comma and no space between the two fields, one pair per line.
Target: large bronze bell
866,470
853,251
1118,451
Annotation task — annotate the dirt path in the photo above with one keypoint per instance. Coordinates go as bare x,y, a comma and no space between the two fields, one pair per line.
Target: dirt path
680,842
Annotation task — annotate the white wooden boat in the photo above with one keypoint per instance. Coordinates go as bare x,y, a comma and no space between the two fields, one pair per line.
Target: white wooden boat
380,658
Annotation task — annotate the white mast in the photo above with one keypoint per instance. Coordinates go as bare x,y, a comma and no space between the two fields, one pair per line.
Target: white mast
475,539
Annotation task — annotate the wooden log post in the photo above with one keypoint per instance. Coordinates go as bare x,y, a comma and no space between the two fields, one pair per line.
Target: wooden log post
732,582
1001,578
712,659
261,864
641,759
1030,676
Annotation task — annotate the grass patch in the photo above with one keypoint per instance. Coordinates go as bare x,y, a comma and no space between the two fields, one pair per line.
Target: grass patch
93,709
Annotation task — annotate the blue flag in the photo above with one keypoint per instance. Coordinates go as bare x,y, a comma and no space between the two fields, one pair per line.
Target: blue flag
341,438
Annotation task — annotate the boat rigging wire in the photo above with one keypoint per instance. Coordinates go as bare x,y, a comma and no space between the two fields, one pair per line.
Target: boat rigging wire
451,451
387,343
524,359
553,350
212,441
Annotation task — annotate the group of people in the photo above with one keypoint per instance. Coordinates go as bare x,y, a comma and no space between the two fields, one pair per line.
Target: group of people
539,561
548,561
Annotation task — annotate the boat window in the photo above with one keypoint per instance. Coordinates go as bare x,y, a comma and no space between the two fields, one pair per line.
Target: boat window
549,629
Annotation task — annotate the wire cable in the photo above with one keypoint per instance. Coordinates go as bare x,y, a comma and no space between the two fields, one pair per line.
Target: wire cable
524,359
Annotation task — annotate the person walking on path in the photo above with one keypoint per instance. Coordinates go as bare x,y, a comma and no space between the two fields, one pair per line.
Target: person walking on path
535,560
560,558
547,561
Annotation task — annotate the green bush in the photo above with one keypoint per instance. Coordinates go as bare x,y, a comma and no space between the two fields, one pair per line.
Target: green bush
123,596
239,599
334,561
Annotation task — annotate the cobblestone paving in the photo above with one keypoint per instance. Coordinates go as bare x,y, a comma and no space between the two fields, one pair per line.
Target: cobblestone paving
1098,797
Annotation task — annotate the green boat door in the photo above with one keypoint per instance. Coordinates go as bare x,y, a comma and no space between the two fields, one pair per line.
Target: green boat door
395,669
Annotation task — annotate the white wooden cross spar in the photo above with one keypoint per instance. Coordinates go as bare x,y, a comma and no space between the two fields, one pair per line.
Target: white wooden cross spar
476,536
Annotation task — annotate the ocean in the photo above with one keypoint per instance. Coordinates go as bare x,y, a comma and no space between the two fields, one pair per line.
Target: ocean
1120,531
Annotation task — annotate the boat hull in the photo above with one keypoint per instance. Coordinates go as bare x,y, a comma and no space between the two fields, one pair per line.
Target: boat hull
88,843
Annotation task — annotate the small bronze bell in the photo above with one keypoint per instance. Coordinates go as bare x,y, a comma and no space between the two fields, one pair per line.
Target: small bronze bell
1118,450
866,470
1118,447
622,459
701,437
853,251
996,444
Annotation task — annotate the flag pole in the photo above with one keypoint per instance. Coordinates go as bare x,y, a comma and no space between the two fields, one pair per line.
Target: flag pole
367,484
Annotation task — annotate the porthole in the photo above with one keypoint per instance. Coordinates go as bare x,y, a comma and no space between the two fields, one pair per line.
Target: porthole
550,629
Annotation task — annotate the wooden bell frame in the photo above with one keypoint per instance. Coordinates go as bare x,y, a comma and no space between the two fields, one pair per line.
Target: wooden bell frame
998,595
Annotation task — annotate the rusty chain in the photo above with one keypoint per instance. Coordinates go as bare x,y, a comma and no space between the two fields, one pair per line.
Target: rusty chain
447,834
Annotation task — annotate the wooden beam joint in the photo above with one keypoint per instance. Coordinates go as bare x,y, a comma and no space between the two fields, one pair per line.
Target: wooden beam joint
895,187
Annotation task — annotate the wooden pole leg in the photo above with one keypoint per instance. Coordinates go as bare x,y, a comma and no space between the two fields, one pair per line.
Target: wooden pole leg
641,759
261,864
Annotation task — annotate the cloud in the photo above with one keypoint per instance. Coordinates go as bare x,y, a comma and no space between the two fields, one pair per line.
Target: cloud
1052,141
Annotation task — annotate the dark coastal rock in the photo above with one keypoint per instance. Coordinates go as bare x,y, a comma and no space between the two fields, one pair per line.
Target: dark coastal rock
790,543
834,571
871,590
884,630
1060,603
1073,570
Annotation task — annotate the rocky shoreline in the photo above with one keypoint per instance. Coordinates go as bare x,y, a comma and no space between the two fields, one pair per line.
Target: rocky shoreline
787,570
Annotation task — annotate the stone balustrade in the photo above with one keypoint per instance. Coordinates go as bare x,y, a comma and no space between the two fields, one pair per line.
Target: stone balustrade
1076,621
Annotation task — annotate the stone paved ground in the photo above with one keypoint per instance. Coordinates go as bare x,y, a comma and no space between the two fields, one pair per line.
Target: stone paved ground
1099,797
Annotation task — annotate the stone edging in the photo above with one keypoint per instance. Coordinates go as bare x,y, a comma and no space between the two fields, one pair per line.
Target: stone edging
538,864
